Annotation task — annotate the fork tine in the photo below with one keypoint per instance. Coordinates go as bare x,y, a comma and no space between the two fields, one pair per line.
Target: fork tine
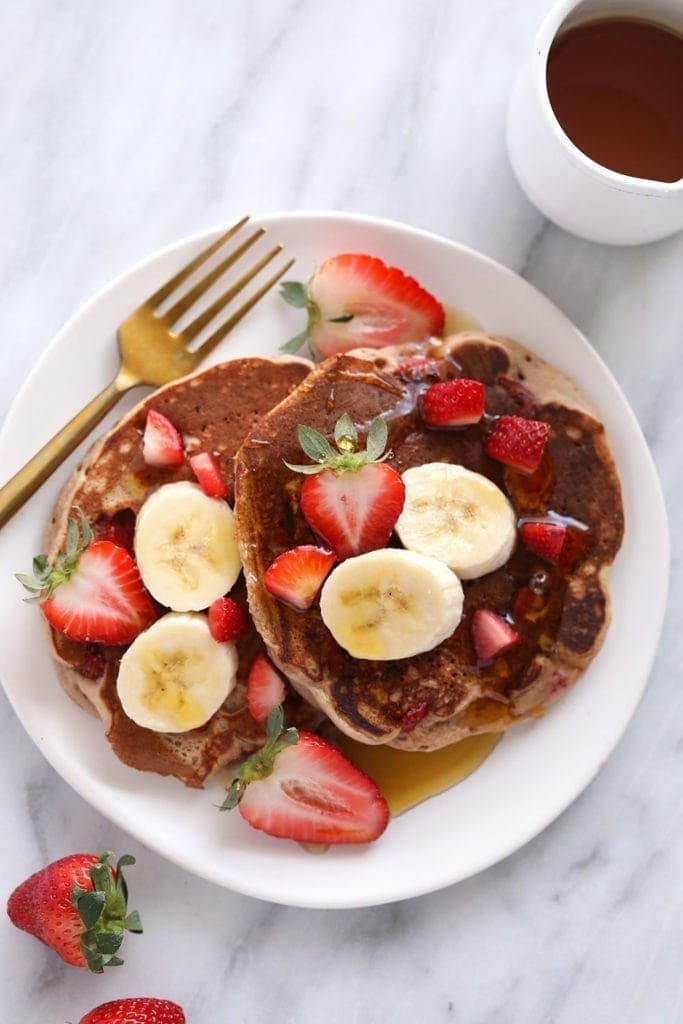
188,300
209,345
167,289
210,312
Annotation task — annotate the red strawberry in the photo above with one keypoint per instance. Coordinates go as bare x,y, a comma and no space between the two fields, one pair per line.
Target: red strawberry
119,529
453,403
142,1010
162,445
518,442
544,539
357,301
417,368
93,592
301,787
205,467
265,688
491,634
228,619
297,575
78,907
350,498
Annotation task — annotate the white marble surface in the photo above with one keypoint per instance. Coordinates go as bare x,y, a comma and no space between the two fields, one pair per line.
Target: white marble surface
127,125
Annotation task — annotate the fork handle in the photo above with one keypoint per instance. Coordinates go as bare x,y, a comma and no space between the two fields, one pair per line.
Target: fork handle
23,484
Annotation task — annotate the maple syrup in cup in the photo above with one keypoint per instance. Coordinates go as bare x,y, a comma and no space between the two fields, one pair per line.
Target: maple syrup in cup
595,121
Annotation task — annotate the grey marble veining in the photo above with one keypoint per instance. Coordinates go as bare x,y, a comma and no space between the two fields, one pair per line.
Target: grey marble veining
127,125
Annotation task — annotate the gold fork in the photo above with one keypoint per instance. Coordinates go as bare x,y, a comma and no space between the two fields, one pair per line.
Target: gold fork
151,353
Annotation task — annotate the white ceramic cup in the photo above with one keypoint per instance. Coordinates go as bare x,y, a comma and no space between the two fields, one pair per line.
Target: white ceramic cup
567,186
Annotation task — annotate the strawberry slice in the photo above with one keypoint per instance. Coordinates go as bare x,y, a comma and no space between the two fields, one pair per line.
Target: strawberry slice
265,688
297,575
544,539
491,635
357,301
162,445
205,467
228,619
454,403
351,499
518,442
93,592
301,787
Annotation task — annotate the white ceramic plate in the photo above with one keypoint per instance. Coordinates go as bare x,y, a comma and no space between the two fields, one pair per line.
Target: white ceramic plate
508,800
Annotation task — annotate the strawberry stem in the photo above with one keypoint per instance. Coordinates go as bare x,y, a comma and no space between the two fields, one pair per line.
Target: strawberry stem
46,578
103,911
260,765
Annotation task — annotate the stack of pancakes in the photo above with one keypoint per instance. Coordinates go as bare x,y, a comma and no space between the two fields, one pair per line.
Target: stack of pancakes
247,412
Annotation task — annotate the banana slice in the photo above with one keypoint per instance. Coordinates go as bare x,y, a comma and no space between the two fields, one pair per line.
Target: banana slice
391,604
457,516
175,676
185,547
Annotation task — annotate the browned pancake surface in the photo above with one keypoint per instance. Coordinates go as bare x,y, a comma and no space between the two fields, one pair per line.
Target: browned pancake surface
561,615
213,411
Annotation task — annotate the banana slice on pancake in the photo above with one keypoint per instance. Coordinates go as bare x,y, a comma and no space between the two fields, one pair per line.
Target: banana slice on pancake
175,676
390,604
185,547
457,516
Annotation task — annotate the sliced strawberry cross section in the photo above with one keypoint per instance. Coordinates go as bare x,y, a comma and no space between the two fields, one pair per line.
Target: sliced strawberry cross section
518,442
265,688
205,467
162,445
454,403
544,539
297,575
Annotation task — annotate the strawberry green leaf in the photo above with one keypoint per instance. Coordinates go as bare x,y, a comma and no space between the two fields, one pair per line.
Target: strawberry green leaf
344,429
306,470
132,923
108,942
90,907
292,346
377,439
314,444
294,293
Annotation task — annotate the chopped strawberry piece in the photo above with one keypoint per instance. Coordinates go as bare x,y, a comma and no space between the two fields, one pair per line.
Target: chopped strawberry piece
94,663
414,716
265,688
297,575
544,539
491,634
353,512
518,442
228,619
119,529
454,403
140,1010
417,368
301,787
162,445
205,467
357,301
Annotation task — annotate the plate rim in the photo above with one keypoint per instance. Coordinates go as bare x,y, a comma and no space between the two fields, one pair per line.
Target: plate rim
398,892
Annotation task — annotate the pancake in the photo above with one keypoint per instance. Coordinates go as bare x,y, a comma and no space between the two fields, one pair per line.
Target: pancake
561,615
213,410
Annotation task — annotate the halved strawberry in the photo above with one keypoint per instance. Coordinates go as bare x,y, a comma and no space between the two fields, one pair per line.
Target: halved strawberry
544,539
205,467
351,499
454,403
162,445
93,592
265,688
228,619
301,787
518,442
357,301
491,635
297,575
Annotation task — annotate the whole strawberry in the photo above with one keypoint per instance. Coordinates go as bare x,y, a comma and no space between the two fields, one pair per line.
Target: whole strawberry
78,906
135,1011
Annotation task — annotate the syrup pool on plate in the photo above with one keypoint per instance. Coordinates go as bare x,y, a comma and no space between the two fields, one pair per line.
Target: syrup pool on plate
407,777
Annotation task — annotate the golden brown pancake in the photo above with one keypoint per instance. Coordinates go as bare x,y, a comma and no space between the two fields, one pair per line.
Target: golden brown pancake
213,410
561,613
